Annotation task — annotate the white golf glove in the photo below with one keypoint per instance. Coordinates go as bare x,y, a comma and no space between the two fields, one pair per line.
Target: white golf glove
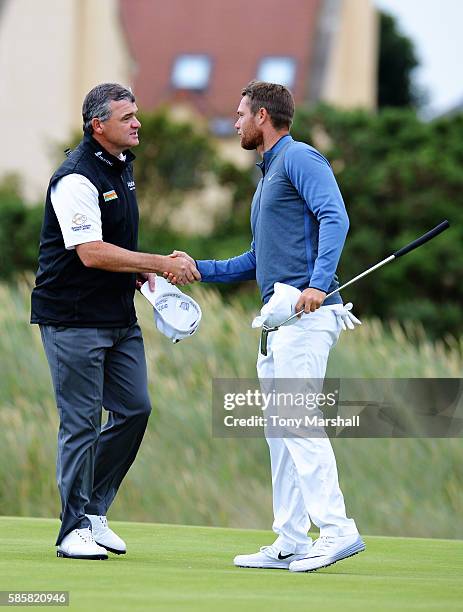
346,318
279,307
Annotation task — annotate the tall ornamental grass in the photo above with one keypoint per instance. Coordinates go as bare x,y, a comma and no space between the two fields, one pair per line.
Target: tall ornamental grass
183,474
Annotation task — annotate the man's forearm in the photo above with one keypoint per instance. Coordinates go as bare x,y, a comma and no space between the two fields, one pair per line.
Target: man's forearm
240,268
332,236
109,257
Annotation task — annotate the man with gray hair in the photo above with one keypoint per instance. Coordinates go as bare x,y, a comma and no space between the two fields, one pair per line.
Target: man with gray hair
89,268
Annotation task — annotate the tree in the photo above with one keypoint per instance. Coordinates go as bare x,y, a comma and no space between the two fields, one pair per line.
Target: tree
399,177
397,60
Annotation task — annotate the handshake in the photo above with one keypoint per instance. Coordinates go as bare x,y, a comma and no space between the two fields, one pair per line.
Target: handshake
181,269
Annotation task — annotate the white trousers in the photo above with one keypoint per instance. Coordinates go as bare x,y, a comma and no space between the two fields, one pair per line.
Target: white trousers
304,474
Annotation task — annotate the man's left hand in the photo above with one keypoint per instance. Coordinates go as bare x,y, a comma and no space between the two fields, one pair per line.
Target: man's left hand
310,300
146,276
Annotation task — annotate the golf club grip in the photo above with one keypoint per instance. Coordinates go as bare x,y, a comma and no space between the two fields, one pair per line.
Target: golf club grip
424,238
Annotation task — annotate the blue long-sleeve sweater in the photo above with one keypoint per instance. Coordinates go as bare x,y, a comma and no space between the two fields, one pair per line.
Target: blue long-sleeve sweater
299,225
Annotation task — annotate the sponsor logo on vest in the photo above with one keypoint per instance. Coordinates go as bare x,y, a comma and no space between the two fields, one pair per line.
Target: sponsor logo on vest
78,222
99,154
110,195
131,185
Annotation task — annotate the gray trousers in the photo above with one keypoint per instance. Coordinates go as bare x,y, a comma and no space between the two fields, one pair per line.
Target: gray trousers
93,368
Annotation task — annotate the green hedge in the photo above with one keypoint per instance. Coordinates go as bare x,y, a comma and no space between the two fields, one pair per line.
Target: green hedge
399,177
19,231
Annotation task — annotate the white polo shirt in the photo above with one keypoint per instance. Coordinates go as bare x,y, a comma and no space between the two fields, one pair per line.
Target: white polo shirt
75,202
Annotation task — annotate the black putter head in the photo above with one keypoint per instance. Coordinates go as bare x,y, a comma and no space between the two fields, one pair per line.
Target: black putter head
263,341
264,337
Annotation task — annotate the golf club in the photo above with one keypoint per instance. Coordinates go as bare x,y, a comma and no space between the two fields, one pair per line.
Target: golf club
403,251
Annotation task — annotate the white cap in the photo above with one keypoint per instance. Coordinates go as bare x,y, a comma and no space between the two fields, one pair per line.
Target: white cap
279,307
176,315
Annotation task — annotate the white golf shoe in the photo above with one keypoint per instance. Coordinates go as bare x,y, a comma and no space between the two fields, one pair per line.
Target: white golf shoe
269,557
80,544
104,536
327,550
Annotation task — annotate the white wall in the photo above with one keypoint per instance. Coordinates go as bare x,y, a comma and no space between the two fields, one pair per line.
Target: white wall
350,80
51,53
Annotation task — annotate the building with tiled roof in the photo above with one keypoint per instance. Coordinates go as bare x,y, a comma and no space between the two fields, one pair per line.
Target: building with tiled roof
192,53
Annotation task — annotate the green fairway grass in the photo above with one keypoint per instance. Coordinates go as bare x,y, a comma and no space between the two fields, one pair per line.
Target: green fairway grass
172,567
185,475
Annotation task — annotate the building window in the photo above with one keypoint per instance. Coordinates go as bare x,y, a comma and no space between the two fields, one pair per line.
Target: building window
281,70
222,127
191,72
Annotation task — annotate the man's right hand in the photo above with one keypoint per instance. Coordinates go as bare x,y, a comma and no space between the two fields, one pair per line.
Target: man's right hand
183,254
181,269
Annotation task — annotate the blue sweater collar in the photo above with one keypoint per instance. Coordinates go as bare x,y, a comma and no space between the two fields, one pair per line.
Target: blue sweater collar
271,153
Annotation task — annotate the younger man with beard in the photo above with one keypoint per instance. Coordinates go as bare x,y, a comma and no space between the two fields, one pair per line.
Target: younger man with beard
299,225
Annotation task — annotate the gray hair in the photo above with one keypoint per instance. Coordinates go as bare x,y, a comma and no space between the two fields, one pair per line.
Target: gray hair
97,102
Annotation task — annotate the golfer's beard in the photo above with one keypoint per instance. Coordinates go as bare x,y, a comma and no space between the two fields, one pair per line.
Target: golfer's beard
251,140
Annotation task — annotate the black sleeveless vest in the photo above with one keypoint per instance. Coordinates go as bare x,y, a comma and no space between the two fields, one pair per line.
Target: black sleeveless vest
66,292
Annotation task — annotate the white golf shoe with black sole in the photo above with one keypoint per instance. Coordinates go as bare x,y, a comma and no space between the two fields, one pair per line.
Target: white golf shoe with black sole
80,544
104,536
269,557
328,550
